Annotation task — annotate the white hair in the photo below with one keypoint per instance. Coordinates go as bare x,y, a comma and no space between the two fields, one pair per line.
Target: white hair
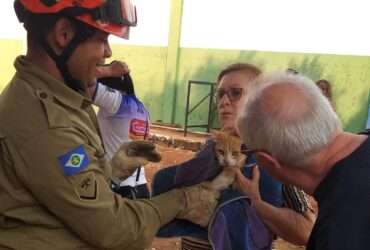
288,132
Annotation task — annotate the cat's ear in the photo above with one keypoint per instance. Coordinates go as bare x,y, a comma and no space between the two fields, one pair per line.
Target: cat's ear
215,133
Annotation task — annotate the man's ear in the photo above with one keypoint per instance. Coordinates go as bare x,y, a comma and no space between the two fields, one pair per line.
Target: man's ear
63,33
268,161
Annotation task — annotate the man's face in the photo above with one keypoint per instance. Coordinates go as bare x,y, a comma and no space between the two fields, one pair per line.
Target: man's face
88,56
231,95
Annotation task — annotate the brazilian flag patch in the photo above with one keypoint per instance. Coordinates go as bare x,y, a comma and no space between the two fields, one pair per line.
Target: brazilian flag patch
74,161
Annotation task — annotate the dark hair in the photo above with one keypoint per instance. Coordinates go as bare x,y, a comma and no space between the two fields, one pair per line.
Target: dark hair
327,84
245,67
124,84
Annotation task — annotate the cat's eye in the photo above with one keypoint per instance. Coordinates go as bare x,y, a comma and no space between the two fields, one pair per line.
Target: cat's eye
235,153
220,151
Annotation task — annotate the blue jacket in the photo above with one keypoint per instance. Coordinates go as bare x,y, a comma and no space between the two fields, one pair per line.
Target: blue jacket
235,225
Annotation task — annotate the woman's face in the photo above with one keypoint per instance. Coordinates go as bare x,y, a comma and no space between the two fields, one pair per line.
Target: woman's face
231,96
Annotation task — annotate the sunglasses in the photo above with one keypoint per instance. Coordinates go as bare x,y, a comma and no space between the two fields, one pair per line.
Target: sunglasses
233,94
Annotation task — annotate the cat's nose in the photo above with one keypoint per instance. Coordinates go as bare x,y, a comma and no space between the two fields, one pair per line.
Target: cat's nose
229,161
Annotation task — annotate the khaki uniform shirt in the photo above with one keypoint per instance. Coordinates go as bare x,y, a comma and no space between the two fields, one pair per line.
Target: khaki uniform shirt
54,189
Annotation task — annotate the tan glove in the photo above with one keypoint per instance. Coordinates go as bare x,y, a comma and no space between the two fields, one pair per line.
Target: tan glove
200,203
130,156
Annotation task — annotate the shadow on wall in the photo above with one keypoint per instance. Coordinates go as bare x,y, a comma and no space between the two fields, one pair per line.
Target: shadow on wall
357,122
312,67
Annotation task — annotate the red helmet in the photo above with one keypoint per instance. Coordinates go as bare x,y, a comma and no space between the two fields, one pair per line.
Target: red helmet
111,16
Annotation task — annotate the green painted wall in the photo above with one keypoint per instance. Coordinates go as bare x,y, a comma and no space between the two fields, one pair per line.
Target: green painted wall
148,66
9,49
350,76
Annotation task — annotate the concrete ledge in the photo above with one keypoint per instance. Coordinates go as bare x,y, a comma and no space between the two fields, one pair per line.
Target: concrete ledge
173,137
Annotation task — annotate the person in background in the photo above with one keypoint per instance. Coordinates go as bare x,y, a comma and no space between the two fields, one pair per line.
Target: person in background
298,138
122,117
54,175
325,88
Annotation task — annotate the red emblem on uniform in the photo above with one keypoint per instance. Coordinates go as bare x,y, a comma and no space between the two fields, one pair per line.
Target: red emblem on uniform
138,128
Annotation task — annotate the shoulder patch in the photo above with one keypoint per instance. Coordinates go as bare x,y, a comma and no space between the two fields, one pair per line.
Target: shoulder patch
74,161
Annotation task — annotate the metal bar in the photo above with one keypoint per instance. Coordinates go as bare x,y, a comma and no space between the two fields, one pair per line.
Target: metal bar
200,102
198,126
187,109
210,110
201,82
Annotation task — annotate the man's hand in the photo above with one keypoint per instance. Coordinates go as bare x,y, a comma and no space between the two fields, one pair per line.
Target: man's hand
200,203
249,187
114,69
132,155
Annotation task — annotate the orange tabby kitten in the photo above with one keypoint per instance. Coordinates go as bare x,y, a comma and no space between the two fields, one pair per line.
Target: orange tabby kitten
230,157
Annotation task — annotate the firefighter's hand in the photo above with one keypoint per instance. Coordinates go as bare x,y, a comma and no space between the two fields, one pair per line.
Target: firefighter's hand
132,155
200,204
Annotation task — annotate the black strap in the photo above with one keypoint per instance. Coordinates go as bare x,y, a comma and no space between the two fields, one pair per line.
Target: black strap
138,174
82,33
129,84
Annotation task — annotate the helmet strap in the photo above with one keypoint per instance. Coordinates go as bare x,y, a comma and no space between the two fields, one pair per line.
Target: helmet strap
82,33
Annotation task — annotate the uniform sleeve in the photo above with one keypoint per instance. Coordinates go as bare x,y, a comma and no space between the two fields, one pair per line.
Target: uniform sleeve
107,98
65,175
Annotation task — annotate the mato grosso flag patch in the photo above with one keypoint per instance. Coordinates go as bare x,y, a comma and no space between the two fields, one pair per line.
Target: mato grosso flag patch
74,161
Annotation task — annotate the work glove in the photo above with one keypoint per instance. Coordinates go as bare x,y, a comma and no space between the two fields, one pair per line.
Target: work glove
130,156
200,203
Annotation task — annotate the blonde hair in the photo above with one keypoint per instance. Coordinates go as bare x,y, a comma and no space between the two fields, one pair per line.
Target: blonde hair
250,69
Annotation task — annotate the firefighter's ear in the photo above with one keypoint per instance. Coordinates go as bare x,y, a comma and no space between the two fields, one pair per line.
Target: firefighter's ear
61,34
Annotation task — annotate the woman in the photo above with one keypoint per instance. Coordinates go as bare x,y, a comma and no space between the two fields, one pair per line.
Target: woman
292,223
325,87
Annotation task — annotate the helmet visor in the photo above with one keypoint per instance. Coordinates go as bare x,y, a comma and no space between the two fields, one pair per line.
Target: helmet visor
119,12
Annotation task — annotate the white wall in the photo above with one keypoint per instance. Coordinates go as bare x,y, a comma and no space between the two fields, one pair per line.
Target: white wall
152,28
153,24
319,26
9,25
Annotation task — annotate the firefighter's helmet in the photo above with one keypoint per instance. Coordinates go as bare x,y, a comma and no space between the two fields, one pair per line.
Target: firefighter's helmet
111,16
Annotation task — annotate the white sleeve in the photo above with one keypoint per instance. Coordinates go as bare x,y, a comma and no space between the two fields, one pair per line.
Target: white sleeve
107,98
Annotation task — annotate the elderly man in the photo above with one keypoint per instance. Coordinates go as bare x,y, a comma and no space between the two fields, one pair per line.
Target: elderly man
299,140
